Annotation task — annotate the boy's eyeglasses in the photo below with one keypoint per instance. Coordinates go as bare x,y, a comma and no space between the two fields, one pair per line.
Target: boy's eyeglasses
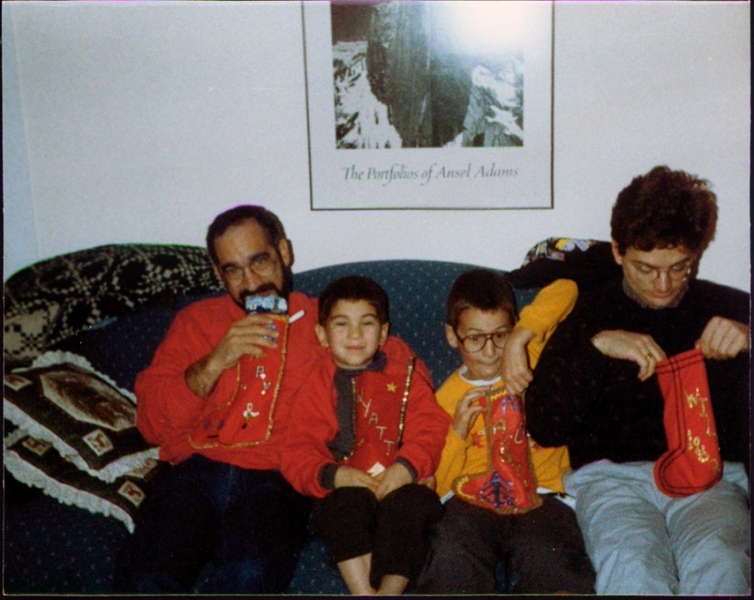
476,341
262,265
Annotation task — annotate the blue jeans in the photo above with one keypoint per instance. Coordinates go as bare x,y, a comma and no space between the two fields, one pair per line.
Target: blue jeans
212,527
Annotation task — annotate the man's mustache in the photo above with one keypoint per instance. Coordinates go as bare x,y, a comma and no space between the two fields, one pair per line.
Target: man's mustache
265,287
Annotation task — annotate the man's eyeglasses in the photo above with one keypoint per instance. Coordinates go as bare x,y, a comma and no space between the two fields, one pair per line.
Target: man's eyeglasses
476,341
262,265
677,272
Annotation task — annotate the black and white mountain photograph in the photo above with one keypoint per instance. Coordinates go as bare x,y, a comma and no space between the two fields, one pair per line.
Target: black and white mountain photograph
427,74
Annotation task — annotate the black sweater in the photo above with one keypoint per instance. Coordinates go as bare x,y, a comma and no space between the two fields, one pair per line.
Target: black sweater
597,406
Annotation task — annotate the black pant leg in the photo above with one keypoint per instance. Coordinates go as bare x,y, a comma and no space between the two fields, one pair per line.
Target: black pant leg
262,531
404,522
547,552
345,520
466,547
174,536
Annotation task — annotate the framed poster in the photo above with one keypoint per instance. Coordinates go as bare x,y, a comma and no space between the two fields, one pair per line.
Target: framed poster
429,105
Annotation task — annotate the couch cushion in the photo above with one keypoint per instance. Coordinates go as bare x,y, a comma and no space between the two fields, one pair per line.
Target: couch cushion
418,291
53,549
124,347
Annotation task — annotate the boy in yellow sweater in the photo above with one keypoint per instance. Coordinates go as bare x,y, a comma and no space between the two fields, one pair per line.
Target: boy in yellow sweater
502,492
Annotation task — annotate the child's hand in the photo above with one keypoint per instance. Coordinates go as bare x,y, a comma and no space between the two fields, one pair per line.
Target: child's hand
467,410
515,370
353,477
395,476
429,482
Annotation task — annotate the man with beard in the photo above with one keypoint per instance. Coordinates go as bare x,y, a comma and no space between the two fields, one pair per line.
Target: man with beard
216,399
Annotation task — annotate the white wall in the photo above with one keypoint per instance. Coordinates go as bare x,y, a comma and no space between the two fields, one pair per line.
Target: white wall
138,122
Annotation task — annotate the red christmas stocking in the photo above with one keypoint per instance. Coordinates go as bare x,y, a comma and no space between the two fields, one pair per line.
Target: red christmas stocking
508,485
246,418
692,463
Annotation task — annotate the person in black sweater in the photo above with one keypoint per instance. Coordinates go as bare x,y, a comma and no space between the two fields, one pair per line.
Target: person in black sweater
595,390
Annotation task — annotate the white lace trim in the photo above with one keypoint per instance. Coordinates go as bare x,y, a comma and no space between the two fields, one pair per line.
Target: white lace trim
14,436
107,474
30,475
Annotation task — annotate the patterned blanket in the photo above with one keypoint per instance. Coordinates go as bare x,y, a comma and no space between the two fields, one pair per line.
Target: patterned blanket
53,299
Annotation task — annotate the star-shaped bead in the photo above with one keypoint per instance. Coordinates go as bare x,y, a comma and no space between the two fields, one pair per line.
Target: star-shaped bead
392,388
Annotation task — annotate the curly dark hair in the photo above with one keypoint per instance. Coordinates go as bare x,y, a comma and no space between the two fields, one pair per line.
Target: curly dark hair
238,214
664,209
482,289
353,287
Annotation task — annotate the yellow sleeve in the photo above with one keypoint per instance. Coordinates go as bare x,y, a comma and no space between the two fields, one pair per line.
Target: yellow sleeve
451,462
551,305
455,456
549,464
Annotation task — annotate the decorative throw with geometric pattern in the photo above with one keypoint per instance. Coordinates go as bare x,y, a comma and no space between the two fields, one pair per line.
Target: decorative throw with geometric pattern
53,299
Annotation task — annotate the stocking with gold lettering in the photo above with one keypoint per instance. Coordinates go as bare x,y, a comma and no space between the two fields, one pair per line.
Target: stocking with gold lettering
692,462
508,485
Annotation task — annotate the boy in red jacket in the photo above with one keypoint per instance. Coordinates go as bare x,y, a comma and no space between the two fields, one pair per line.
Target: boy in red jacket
366,430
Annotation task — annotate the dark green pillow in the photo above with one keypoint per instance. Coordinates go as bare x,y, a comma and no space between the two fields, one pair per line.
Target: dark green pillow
61,400
36,463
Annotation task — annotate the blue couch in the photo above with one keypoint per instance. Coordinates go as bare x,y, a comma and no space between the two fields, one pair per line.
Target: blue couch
113,304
